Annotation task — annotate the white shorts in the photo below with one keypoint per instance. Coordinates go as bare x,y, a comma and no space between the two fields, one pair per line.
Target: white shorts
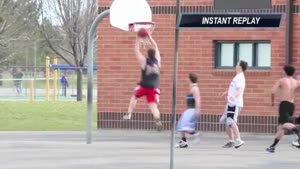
187,122
230,111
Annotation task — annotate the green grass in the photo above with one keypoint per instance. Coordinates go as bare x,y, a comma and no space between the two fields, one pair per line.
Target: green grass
44,116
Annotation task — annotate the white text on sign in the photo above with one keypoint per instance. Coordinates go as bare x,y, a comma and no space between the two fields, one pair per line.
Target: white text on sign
231,20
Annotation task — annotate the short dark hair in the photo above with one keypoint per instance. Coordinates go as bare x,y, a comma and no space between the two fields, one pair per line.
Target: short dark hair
193,77
243,65
289,70
151,53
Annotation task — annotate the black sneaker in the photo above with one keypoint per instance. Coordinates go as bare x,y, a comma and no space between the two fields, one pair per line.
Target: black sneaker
271,149
182,144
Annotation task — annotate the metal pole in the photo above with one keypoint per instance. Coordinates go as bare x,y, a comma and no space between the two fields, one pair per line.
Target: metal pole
174,86
90,61
55,74
47,77
34,72
288,32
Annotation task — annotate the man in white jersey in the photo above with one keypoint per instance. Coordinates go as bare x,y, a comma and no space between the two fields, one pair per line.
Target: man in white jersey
234,96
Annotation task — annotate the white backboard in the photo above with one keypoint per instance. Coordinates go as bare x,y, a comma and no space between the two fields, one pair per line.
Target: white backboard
124,12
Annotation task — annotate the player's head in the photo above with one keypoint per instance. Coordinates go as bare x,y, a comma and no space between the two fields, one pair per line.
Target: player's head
151,53
289,70
193,77
241,66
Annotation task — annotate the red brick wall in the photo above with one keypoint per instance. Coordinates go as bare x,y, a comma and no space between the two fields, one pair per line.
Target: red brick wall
119,72
296,52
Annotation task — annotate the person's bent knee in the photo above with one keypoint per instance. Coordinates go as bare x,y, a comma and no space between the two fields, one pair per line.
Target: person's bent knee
288,126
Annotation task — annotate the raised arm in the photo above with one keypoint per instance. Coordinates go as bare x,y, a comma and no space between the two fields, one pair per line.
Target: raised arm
157,53
138,54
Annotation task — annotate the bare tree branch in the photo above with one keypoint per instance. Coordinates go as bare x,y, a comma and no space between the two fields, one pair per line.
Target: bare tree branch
91,11
15,17
56,51
75,19
7,58
65,50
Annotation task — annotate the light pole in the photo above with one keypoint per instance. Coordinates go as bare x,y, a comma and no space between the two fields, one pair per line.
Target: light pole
90,61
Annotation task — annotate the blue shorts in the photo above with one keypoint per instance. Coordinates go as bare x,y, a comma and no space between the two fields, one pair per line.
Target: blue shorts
187,122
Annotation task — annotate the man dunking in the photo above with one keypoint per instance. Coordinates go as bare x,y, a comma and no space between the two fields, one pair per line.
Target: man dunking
149,80
287,87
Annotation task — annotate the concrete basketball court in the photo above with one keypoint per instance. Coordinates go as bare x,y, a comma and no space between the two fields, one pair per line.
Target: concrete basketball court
122,149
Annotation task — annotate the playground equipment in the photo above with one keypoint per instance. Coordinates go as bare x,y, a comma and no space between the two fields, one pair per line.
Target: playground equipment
31,83
57,68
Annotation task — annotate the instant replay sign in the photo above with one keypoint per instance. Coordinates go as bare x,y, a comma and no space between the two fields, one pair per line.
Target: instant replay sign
230,21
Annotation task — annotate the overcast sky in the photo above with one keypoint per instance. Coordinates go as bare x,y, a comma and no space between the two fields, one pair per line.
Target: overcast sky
49,12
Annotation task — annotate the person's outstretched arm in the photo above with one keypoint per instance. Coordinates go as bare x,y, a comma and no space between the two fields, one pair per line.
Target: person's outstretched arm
157,53
140,57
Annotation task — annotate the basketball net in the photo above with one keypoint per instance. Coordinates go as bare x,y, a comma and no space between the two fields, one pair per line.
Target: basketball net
144,42
135,27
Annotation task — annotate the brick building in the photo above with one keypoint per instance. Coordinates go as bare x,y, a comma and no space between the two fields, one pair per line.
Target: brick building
204,51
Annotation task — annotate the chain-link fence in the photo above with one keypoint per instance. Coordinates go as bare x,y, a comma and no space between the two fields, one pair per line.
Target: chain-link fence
19,82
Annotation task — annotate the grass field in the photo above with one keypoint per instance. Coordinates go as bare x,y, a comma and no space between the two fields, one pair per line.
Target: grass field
44,116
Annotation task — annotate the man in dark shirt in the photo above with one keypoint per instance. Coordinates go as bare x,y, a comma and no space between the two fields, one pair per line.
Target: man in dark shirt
148,86
18,75
65,85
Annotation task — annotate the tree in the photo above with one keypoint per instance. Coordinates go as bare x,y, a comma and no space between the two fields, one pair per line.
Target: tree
72,19
15,17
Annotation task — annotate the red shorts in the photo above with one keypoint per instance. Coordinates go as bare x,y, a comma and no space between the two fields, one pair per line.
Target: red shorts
152,94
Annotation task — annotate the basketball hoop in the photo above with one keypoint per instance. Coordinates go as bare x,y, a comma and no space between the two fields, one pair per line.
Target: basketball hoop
136,26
